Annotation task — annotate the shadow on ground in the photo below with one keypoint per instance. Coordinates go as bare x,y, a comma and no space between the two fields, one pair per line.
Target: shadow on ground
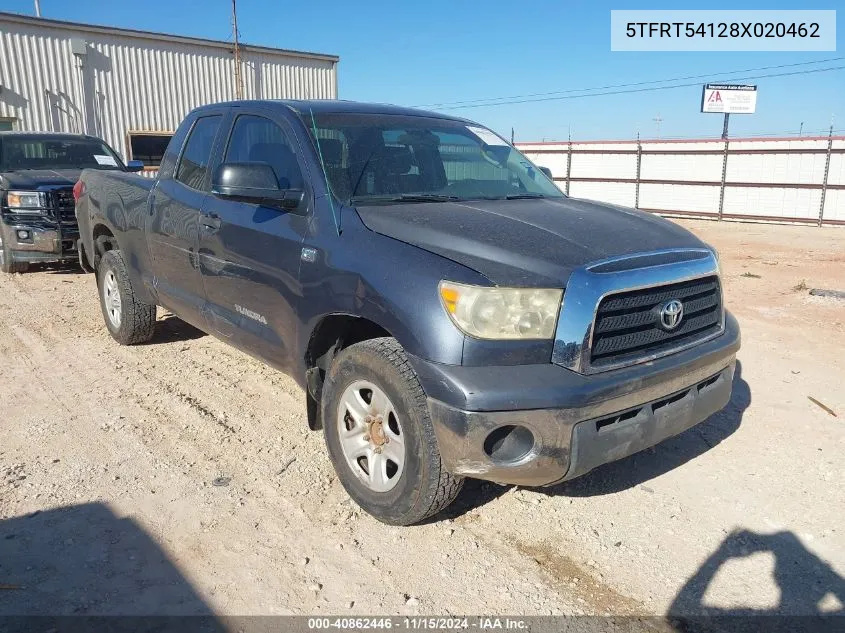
172,329
85,561
630,471
808,587
55,268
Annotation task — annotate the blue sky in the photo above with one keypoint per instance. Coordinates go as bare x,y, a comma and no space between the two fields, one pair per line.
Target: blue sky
436,51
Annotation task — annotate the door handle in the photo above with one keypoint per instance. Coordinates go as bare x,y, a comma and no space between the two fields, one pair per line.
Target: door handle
210,221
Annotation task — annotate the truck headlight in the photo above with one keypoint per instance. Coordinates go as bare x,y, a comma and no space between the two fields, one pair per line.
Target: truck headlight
31,200
502,313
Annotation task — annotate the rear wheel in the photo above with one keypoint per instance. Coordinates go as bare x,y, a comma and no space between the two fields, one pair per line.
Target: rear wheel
128,319
7,262
380,437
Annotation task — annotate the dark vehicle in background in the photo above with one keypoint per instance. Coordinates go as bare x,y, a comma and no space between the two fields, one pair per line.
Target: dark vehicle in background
447,310
37,174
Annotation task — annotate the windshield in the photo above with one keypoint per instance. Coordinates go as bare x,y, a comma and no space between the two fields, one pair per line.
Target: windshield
30,152
390,159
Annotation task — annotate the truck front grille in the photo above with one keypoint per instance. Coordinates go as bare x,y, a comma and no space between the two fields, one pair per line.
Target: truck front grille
628,326
64,205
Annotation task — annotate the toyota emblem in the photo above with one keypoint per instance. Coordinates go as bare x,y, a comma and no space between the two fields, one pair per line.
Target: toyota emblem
671,314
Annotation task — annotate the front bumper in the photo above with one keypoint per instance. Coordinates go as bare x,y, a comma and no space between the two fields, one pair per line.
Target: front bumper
576,421
43,244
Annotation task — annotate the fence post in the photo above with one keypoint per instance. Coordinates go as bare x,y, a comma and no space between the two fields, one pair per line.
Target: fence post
639,163
826,174
724,175
568,163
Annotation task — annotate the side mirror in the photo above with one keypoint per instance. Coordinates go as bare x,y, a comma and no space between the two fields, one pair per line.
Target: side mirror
135,165
254,183
548,172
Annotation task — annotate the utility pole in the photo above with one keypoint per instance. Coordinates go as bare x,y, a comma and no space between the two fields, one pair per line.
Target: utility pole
37,8
239,88
826,171
801,129
658,120
725,126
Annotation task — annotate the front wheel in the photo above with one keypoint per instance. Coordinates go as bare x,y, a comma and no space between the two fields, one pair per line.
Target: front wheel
128,319
379,435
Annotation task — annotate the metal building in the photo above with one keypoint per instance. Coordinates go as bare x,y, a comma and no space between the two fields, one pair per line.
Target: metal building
132,88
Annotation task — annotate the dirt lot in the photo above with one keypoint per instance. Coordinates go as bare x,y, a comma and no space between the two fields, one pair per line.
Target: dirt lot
109,458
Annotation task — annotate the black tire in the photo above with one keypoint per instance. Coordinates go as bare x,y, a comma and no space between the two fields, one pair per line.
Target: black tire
137,319
7,263
424,488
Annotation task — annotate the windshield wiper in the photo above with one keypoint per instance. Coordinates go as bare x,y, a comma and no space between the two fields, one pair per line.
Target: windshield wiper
426,197
523,196
405,197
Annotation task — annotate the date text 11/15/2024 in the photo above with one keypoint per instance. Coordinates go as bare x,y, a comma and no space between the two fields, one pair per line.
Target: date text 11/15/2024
480,623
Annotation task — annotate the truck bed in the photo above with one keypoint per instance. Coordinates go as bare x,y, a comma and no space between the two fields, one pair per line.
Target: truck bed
118,203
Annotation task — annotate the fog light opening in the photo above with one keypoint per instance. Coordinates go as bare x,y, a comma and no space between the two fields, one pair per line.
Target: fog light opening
509,443
23,235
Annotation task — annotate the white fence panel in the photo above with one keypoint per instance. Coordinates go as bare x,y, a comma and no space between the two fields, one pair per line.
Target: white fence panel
620,193
773,202
603,166
706,167
770,179
834,205
679,198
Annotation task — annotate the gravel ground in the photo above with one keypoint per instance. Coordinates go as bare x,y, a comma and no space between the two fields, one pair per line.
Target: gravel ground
180,477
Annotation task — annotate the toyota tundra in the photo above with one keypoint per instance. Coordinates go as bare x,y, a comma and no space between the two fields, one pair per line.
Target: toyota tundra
447,310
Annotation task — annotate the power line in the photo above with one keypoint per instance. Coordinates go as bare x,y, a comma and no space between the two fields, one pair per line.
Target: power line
652,89
628,85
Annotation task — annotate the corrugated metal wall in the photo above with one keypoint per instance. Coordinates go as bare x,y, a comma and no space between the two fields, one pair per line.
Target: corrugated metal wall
136,82
771,179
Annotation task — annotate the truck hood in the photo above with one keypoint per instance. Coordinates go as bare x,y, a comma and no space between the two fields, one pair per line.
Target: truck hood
527,243
34,178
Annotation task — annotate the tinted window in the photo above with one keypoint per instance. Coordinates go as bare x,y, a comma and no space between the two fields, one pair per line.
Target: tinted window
193,166
256,139
57,152
149,148
381,158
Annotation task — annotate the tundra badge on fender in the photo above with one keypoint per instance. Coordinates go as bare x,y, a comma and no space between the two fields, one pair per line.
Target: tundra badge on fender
250,314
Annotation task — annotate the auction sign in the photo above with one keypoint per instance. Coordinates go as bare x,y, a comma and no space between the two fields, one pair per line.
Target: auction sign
729,99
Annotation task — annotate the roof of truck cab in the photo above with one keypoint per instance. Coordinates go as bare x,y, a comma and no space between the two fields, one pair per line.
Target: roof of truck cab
337,106
46,135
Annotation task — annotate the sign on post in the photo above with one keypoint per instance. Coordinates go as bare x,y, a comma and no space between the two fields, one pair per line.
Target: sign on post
729,99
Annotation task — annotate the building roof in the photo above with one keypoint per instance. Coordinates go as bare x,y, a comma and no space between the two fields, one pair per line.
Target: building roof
152,35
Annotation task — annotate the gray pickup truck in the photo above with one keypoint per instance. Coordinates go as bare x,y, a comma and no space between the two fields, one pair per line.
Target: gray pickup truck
448,312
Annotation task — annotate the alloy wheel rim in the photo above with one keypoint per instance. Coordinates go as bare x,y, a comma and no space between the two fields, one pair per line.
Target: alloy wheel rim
111,299
371,436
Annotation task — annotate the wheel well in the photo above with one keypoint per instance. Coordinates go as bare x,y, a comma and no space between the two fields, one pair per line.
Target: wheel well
334,333
104,241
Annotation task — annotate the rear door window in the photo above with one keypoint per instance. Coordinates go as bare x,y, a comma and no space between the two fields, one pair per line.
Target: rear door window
193,165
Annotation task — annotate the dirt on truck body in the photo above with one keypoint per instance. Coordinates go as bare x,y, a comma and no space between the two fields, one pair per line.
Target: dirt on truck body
448,311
